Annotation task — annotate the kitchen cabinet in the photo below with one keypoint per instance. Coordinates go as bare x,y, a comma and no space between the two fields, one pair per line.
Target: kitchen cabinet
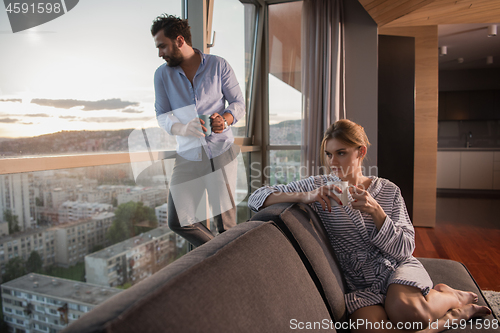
469,105
457,105
473,170
476,170
482,105
448,169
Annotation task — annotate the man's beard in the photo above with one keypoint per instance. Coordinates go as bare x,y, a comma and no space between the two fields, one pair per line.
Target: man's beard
176,58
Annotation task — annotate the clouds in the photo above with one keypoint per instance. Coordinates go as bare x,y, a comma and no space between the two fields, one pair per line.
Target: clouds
11,100
19,116
43,115
103,104
128,110
8,120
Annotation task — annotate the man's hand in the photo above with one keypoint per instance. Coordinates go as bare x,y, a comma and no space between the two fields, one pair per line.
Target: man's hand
217,123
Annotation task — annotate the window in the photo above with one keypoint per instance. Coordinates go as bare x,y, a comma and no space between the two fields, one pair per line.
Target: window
234,25
285,97
111,96
105,96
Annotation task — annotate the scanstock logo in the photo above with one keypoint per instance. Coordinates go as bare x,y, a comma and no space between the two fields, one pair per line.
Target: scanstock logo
25,14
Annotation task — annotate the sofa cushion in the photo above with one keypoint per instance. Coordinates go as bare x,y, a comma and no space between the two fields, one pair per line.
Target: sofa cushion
248,279
307,234
457,276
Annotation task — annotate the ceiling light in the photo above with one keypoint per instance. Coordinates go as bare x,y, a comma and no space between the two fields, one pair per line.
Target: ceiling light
460,60
489,60
443,50
492,30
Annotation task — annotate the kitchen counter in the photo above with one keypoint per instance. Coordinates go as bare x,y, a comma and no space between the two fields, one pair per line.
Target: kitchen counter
474,168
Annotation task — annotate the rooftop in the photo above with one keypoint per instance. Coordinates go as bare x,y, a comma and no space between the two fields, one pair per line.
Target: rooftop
100,216
114,250
64,289
26,233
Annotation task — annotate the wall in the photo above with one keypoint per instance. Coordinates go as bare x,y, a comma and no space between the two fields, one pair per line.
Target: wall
361,73
426,120
396,105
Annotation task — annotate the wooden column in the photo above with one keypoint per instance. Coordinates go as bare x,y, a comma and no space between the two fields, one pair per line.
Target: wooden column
426,119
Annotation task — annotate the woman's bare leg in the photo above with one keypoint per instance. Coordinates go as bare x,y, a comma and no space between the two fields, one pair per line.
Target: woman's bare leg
407,304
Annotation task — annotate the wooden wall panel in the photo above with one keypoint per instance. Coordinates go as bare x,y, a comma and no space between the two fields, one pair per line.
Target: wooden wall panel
426,122
398,13
385,11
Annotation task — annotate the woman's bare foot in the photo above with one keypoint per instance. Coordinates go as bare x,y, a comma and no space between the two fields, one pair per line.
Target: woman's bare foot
464,297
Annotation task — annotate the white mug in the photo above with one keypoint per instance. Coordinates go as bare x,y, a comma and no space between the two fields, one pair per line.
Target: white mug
344,197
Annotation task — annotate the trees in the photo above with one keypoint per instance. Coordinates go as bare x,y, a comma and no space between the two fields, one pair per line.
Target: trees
34,263
131,219
14,268
11,220
17,267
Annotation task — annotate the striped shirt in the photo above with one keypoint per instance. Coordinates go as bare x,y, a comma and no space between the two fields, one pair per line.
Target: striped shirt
370,259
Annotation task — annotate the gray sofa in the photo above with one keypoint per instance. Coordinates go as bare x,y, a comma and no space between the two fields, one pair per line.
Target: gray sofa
274,273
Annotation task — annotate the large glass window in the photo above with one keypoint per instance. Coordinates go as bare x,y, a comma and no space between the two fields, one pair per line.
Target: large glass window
234,27
285,97
80,82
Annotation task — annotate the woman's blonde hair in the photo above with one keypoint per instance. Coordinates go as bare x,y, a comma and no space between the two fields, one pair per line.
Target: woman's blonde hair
346,131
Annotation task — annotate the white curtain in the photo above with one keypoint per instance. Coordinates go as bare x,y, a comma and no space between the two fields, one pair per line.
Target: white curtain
322,75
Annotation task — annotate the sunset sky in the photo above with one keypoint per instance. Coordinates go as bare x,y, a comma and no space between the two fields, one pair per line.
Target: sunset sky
92,68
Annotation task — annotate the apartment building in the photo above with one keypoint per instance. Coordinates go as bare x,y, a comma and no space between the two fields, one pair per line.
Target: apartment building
102,193
17,194
23,243
40,303
71,211
132,260
161,214
150,196
77,239
63,245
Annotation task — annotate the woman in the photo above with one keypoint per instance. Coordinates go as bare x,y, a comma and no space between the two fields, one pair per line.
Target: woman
373,239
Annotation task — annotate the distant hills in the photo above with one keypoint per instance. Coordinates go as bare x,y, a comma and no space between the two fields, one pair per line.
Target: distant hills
73,142
66,142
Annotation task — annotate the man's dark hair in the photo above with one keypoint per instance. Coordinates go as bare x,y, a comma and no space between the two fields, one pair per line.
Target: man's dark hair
172,27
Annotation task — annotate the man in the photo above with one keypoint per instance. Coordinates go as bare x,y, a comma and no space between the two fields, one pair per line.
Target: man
192,84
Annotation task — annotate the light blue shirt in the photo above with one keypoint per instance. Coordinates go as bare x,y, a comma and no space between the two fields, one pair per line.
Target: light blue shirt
178,101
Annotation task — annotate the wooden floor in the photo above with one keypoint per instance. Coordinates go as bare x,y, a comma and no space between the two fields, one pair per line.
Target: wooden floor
467,230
